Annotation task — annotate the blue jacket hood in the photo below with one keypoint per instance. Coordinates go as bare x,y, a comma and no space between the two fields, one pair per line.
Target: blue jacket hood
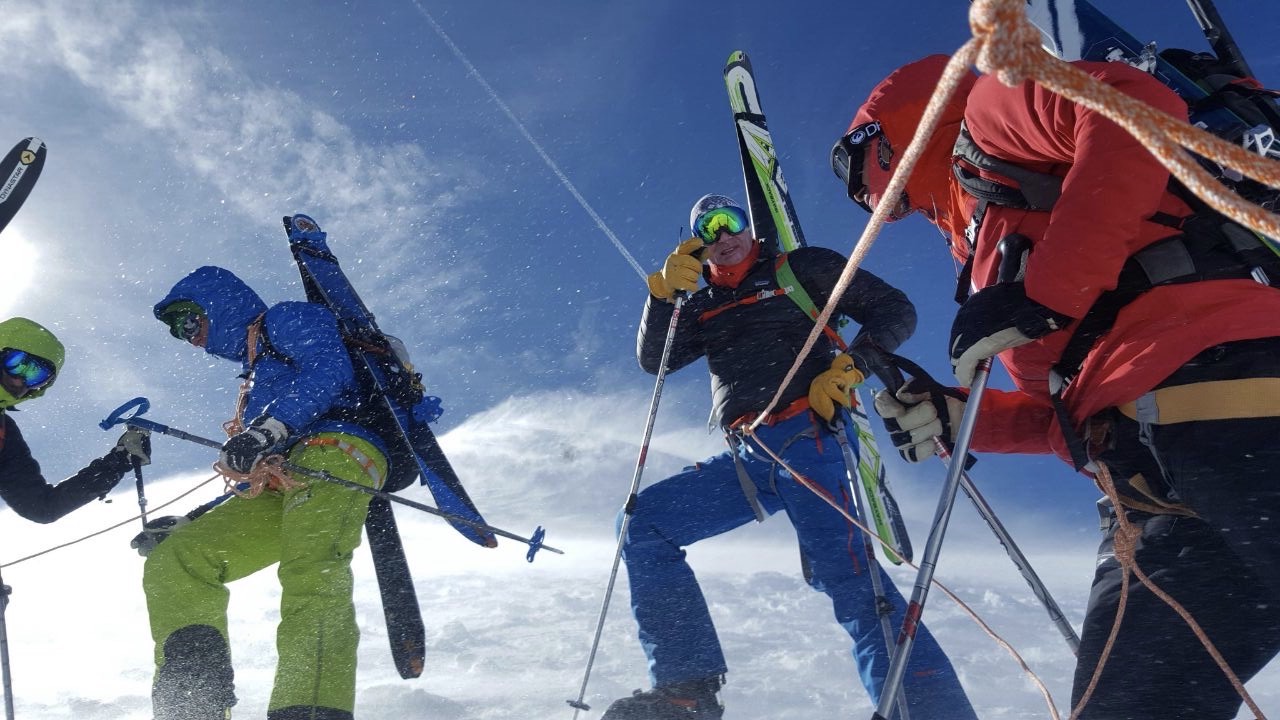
227,301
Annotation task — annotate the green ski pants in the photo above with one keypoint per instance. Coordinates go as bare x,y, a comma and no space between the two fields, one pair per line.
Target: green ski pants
311,532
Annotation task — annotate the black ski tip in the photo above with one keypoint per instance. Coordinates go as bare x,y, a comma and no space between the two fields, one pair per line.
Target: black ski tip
18,172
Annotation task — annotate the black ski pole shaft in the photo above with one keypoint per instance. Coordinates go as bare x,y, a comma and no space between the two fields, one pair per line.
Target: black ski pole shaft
1219,37
1020,561
889,370
5,590
884,610
142,493
535,542
578,704
118,416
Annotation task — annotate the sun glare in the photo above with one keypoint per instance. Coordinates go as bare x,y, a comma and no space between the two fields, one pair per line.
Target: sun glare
17,268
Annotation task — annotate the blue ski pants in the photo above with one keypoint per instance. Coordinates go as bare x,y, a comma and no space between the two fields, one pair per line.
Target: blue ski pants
709,499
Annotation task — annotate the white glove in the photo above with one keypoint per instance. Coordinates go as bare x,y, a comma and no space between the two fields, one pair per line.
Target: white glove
913,419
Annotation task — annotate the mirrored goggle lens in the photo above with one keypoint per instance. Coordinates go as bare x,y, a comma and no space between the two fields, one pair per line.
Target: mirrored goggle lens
34,372
709,224
184,325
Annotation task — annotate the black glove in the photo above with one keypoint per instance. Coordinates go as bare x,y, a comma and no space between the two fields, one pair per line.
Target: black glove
241,452
136,442
155,531
918,413
995,319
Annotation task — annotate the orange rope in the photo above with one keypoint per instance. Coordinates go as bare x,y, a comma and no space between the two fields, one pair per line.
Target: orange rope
122,523
1007,45
266,474
1126,539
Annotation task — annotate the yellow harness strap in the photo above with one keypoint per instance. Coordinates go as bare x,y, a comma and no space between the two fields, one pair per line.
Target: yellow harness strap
1212,400
353,452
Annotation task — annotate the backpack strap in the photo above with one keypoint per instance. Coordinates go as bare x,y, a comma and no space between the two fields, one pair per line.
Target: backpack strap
236,425
787,281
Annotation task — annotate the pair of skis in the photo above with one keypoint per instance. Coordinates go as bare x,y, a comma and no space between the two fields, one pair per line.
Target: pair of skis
395,406
773,219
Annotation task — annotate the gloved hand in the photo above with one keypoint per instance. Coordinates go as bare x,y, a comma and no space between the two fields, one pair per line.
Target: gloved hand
241,452
995,319
916,415
155,531
680,272
136,442
834,386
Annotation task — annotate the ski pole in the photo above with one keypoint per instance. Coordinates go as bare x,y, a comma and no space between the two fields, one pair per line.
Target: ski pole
1012,250
1219,37
5,591
884,609
988,514
118,416
933,548
629,506
142,495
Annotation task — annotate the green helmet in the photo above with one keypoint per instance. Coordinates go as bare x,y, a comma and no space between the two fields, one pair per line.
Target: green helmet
23,334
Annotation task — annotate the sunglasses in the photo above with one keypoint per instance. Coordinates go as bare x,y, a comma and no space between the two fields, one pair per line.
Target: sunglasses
35,372
184,325
847,158
710,223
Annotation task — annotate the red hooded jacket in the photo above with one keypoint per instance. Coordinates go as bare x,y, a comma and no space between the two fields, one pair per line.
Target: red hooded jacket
1111,188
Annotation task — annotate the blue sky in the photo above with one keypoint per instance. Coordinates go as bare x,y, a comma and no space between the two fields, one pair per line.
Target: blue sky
178,137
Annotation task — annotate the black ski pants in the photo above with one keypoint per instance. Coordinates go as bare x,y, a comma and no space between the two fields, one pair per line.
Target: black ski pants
1223,565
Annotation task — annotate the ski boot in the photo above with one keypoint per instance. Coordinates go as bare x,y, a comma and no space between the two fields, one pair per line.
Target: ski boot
692,700
196,680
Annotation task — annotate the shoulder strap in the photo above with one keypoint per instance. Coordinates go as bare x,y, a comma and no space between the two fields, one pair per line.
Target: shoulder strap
1034,190
236,424
788,281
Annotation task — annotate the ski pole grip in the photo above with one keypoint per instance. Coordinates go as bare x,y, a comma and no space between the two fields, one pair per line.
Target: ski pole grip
1013,250
117,416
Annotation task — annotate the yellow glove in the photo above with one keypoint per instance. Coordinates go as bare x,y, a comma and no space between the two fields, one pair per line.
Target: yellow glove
834,386
680,272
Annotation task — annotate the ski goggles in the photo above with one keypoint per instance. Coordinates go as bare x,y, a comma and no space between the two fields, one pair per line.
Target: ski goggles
34,371
184,320
848,157
730,219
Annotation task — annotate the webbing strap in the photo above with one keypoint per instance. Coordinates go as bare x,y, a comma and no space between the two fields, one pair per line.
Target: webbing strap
369,465
236,424
786,278
1210,400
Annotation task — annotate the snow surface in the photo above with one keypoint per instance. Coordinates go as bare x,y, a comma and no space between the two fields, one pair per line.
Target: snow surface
508,639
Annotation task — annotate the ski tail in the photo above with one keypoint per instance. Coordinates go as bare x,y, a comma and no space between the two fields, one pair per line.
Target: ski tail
773,215
19,171
882,507
405,629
